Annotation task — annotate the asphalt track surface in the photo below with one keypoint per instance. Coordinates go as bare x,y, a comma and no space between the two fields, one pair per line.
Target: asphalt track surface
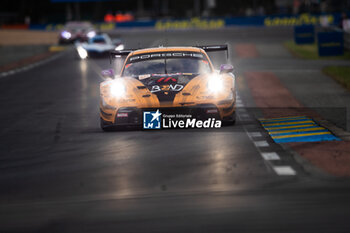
60,173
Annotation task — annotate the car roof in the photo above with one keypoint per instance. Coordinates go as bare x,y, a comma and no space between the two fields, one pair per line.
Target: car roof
166,49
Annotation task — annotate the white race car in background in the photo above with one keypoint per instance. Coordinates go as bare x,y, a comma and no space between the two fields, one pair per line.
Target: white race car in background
98,46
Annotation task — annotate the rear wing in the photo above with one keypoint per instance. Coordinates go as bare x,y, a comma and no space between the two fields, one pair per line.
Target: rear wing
206,48
214,48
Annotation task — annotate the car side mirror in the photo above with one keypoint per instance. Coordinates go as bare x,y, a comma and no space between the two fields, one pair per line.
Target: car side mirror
226,68
107,73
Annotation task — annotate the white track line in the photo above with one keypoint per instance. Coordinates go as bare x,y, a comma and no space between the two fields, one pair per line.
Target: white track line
255,134
284,170
261,144
270,156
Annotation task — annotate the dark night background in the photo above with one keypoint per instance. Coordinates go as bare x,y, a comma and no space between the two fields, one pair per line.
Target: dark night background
58,11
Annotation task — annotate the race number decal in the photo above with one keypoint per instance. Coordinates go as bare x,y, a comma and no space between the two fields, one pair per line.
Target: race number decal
171,87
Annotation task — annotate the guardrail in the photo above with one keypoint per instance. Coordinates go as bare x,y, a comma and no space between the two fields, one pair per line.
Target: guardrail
346,36
347,40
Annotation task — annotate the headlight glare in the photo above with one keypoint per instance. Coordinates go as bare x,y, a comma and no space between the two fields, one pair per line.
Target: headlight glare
215,84
66,35
119,47
91,34
117,88
82,52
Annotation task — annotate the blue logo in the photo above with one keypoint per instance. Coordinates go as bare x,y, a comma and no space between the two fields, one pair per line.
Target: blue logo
151,120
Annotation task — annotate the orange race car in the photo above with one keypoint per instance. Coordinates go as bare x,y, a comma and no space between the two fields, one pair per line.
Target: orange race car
178,81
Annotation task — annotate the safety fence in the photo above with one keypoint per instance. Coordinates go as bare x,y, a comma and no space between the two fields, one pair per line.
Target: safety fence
347,40
346,36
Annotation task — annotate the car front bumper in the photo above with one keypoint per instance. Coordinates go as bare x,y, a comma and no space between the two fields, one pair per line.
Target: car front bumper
132,116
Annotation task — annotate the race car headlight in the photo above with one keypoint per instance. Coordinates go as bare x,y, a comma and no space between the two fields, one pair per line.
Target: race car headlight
66,35
119,47
91,34
82,52
215,84
117,88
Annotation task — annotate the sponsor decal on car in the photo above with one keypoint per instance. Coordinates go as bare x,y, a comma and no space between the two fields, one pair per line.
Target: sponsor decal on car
175,87
165,55
144,76
157,120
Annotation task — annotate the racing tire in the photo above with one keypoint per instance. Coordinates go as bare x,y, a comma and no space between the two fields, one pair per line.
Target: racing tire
232,121
105,126
64,42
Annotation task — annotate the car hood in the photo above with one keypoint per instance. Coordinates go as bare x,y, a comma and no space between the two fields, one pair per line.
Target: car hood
153,91
166,86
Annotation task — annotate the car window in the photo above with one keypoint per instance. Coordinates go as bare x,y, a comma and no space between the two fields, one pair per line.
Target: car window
98,40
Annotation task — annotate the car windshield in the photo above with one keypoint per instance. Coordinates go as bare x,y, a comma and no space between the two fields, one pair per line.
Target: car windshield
98,40
168,65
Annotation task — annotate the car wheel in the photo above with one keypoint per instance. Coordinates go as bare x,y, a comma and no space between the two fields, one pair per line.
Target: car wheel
232,121
105,126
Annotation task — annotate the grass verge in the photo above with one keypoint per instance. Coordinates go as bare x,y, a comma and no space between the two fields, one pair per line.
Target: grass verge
340,73
311,52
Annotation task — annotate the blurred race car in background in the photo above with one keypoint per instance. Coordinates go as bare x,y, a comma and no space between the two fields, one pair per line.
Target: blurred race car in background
98,46
76,31
176,79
